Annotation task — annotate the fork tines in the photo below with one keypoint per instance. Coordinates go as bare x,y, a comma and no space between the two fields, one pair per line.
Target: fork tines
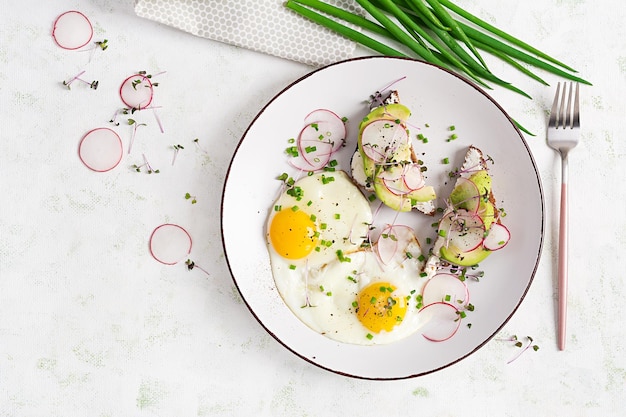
561,116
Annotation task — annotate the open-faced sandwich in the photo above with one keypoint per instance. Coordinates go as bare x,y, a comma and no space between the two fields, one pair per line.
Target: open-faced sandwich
385,161
470,228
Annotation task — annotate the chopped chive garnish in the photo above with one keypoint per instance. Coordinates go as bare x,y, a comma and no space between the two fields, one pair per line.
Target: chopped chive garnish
342,257
326,180
292,267
370,336
292,151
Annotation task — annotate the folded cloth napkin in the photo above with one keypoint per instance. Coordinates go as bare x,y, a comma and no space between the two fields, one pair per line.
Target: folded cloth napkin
261,25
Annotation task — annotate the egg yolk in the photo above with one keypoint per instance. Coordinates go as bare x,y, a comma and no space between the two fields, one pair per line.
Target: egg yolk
379,308
293,233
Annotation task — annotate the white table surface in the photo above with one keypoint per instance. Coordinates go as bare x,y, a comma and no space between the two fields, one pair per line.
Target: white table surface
91,325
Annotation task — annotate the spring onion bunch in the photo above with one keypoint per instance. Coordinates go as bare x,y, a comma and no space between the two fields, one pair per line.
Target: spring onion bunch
436,31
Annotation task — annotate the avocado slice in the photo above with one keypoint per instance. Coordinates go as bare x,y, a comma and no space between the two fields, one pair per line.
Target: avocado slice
471,258
393,111
403,202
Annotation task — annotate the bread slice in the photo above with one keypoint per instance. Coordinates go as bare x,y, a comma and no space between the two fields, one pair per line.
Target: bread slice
474,170
358,166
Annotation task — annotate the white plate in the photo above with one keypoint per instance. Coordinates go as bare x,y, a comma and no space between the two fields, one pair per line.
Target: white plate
438,99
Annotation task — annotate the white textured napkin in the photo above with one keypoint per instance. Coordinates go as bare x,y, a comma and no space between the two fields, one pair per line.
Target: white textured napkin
261,25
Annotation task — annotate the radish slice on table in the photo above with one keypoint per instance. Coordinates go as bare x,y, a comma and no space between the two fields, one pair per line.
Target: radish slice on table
447,288
463,229
393,241
498,237
137,91
72,30
442,321
170,243
330,125
100,149
381,138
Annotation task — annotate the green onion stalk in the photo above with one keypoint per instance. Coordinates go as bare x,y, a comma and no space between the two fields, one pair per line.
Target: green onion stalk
430,30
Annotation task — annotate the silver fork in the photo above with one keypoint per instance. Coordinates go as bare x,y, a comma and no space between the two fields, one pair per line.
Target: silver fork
563,135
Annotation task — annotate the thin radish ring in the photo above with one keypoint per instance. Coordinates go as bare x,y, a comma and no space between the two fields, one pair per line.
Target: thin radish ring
170,243
72,30
138,97
100,149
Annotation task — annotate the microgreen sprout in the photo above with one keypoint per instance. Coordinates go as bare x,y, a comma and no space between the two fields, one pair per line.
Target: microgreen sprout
103,44
135,125
191,197
147,165
192,265
196,141
527,343
93,85
177,148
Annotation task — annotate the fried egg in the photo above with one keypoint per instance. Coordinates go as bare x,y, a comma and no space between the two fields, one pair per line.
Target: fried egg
338,287
317,219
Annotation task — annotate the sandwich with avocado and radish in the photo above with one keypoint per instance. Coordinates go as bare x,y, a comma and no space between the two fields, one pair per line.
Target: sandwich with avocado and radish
385,161
470,228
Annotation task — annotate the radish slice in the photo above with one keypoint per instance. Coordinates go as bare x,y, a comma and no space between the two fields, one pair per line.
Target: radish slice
498,237
447,288
381,138
100,149
302,164
442,321
170,243
393,240
72,30
463,229
413,178
330,125
401,180
313,145
137,91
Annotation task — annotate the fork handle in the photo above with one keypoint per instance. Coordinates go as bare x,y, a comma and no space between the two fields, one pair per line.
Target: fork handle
562,263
